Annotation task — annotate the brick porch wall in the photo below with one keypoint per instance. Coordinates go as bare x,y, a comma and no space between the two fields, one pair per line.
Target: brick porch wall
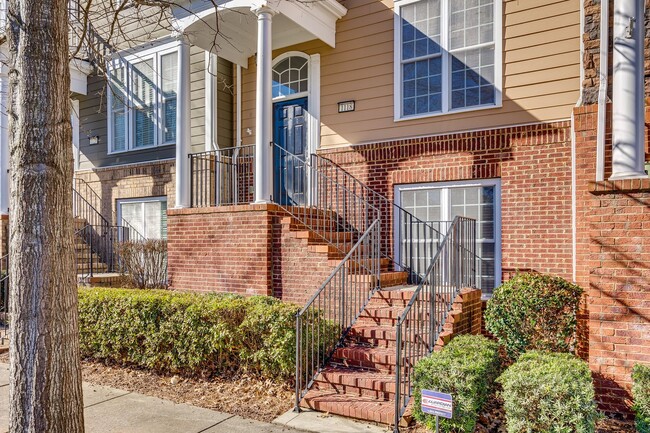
613,255
465,317
533,163
221,249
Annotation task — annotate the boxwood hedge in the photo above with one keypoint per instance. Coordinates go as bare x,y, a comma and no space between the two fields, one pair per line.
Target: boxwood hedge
549,393
188,333
466,368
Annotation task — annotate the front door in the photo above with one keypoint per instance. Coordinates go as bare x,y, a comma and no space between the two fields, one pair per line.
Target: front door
290,134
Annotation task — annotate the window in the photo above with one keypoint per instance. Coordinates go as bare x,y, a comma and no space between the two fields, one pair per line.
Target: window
147,216
447,56
440,203
142,100
290,77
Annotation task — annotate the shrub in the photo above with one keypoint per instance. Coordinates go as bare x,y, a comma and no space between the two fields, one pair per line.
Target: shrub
188,333
534,311
641,393
144,263
466,368
548,393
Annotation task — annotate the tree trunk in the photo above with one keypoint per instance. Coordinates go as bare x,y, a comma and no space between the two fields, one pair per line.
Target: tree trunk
45,391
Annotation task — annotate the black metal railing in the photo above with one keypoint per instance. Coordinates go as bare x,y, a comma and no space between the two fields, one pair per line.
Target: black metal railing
222,177
4,299
418,239
420,324
323,323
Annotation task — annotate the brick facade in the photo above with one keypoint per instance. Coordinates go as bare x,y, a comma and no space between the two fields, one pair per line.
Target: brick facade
465,317
533,163
613,253
151,179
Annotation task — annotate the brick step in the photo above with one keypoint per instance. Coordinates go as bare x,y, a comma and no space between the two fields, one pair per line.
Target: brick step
383,337
85,259
384,263
357,382
317,223
97,267
359,407
331,236
376,359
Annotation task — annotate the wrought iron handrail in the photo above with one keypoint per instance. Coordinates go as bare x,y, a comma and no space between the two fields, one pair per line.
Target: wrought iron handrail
323,323
418,327
419,239
222,177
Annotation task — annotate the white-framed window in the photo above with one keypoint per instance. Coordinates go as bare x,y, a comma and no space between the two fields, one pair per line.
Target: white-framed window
440,202
148,216
142,99
447,56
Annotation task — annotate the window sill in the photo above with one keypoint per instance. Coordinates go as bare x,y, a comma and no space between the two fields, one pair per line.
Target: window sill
448,113
119,152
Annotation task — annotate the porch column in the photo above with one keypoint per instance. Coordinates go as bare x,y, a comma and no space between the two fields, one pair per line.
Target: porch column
263,108
4,142
183,124
628,118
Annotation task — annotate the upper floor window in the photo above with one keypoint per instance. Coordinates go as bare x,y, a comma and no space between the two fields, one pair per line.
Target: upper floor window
447,56
142,100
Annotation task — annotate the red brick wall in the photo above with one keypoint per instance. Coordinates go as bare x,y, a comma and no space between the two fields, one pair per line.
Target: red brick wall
297,272
221,249
533,163
613,256
151,179
465,317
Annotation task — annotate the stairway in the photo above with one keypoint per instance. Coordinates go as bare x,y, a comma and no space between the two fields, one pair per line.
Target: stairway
86,259
359,380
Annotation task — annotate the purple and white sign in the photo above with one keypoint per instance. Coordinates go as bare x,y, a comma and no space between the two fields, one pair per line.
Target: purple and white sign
437,403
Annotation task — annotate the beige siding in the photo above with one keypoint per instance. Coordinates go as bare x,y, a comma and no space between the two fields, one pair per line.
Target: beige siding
540,73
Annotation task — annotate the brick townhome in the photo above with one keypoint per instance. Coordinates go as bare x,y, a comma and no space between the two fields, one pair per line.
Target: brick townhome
496,111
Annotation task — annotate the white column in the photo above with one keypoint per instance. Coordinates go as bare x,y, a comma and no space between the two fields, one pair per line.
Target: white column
183,125
263,108
628,154
211,97
4,142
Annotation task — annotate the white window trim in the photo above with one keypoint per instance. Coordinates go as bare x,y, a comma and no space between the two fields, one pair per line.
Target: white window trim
143,200
496,183
397,64
127,60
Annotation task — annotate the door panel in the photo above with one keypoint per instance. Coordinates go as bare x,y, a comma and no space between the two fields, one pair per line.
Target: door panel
290,133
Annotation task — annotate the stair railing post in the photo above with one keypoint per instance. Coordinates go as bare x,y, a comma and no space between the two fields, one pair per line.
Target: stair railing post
298,366
91,252
398,374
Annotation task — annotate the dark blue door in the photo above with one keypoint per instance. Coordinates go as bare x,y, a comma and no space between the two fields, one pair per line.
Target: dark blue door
290,134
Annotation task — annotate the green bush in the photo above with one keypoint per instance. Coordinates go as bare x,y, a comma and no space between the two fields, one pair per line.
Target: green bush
534,311
188,333
466,368
548,393
641,393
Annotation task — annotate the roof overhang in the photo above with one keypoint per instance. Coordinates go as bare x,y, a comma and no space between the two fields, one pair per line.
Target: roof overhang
230,28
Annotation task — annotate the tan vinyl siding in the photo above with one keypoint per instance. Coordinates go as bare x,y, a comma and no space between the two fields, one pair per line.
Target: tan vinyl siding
540,73
225,104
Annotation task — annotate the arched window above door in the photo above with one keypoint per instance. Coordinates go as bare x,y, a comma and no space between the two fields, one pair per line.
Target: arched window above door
290,77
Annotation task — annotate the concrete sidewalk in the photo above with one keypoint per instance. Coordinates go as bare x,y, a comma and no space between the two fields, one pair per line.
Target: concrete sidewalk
109,410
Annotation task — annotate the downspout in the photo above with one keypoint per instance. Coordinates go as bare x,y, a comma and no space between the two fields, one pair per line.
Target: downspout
603,76
574,229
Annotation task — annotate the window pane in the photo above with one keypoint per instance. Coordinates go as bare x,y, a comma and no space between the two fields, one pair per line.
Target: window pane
470,24
420,29
118,108
132,214
153,220
169,76
422,90
143,101
472,77
290,76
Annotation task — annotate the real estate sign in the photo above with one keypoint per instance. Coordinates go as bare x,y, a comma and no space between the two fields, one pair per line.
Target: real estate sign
437,403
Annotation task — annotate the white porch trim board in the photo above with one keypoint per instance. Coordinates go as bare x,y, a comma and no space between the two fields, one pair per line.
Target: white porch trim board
183,106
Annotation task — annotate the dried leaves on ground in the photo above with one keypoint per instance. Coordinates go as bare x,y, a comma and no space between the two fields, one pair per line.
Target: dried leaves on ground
246,396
